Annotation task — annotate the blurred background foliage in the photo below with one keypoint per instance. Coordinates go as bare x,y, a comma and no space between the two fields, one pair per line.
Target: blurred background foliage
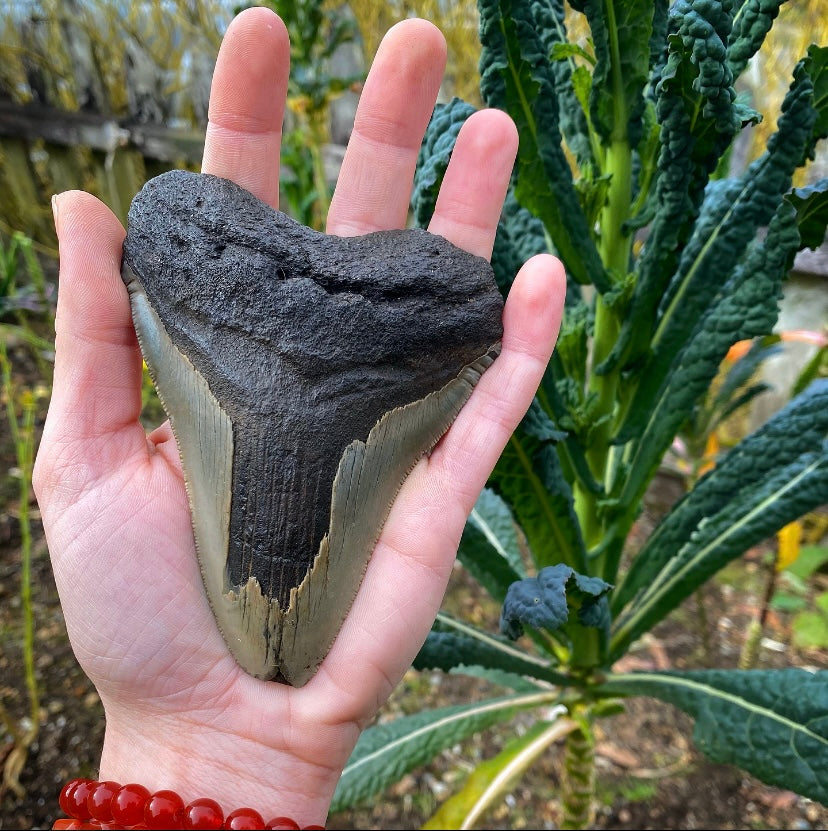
457,20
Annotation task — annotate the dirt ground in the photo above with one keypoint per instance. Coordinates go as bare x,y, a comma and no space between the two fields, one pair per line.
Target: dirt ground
649,774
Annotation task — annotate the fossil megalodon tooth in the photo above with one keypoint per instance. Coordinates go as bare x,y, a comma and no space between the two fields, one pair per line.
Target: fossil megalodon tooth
304,375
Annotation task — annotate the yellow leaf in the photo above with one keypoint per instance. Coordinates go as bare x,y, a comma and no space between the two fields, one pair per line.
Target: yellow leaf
711,450
789,540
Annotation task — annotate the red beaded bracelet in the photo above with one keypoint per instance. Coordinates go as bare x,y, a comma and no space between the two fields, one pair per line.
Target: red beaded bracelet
92,804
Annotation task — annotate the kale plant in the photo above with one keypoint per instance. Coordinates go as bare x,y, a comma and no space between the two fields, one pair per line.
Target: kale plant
670,262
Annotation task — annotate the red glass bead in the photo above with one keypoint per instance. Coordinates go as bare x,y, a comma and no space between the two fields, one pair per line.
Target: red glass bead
99,799
128,805
283,824
165,809
76,799
313,828
244,818
66,824
203,813
65,798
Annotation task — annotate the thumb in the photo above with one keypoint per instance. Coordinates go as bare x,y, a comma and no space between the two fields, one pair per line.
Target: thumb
97,382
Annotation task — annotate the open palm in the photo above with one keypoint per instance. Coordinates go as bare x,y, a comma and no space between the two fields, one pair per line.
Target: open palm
180,713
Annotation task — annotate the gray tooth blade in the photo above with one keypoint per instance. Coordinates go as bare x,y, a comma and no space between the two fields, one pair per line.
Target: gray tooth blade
304,376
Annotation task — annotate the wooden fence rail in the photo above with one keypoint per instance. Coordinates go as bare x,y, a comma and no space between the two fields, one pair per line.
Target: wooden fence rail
99,132
44,150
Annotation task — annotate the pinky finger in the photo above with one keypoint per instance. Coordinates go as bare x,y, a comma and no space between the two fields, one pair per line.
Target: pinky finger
466,455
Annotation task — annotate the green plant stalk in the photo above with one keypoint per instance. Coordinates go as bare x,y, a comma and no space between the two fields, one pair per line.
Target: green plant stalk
23,437
615,253
578,780
704,626
750,648
589,647
749,656
25,460
614,248
318,134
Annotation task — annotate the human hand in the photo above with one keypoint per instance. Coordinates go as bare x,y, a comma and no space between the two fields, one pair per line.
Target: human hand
180,713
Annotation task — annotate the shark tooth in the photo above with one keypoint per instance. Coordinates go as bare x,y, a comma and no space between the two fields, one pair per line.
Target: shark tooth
304,376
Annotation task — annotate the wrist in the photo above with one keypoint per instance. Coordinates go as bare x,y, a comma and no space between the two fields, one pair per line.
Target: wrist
196,760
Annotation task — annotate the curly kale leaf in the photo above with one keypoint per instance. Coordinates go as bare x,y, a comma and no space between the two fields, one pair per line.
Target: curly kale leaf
549,17
520,235
769,479
545,601
732,215
751,23
621,34
435,152
772,722
695,108
747,308
529,477
516,76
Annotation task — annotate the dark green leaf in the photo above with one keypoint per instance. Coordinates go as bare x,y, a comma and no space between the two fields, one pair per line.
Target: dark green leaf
549,20
811,205
528,476
520,235
484,562
799,428
562,397
774,476
816,65
491,515
516,75
752,21
621,35
435,152
453,644
386,752
658,39
544,602
489,547
507,680
733,213
772,723
742,371
695,108
742,400
745,307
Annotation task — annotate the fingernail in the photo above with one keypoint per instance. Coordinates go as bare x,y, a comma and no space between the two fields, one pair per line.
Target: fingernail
55,209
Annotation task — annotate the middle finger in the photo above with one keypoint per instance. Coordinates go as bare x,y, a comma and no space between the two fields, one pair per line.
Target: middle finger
374,185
